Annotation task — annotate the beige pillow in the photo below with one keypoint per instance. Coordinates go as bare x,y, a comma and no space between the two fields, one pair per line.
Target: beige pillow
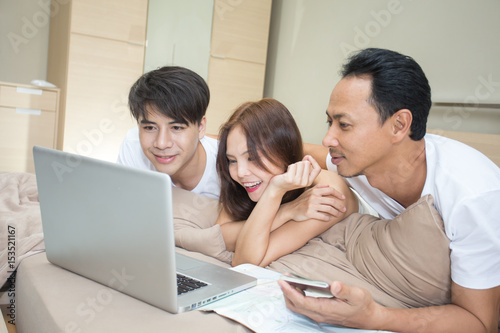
407,257
194,223
403,262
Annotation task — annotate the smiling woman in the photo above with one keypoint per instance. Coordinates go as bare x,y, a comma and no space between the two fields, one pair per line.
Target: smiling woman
268,209
260,131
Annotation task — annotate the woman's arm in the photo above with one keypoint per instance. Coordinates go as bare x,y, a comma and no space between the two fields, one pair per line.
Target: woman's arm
321,202
259,244
253,239
294,234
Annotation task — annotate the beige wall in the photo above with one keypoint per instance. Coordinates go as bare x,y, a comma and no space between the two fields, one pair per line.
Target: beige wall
179,34
24,42
455,42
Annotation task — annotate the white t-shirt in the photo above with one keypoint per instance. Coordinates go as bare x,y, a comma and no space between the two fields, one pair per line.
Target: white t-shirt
131,154
465,185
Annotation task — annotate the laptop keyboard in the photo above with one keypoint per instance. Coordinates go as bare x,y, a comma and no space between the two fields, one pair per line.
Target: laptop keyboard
186,284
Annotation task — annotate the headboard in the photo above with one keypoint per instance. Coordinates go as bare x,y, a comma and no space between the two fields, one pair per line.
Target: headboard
488,144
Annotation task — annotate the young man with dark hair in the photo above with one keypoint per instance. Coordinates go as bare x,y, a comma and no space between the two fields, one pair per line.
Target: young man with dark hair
169,105
377,141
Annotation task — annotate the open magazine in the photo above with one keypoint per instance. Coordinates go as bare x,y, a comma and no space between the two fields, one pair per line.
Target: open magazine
262,308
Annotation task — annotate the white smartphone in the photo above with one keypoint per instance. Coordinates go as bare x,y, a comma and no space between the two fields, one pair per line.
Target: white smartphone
313,288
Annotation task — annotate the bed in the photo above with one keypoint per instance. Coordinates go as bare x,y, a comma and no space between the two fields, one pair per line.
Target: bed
51,299
361,250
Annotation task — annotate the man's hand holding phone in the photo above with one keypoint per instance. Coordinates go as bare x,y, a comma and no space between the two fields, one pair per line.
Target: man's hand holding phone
309,287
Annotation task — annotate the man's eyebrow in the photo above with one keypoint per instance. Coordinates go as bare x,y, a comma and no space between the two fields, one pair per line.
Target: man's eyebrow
336,116
145,121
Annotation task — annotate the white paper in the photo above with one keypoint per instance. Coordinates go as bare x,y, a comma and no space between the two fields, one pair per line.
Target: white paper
262,308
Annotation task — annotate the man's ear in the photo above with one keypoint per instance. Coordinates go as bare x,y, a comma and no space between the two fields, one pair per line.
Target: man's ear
401,124
202,128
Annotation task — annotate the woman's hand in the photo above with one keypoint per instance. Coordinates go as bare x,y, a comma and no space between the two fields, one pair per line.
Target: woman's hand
320,202
298,175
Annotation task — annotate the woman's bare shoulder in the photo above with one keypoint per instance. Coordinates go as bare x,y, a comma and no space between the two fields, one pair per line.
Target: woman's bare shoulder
334,180
327,177
224,217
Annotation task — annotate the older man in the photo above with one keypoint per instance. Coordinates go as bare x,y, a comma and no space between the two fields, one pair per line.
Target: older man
377,140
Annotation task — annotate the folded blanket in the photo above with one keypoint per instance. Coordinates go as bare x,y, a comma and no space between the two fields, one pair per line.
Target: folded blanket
20,222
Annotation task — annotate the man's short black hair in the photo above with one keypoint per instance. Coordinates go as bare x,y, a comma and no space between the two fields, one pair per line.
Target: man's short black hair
173,91
398,82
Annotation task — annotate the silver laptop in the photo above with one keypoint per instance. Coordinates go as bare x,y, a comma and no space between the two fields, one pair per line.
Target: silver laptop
113,224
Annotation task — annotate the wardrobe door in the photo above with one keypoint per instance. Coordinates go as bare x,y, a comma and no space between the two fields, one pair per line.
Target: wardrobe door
100,74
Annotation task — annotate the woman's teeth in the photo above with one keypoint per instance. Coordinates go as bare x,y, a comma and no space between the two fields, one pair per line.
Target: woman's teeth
252,185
